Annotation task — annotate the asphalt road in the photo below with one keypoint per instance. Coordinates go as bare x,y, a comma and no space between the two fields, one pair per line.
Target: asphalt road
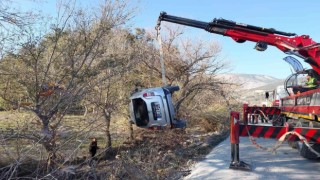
284,164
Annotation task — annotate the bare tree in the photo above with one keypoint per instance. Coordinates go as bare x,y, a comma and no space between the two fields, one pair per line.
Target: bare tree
191,64
111,96
58,66
12,16
13,22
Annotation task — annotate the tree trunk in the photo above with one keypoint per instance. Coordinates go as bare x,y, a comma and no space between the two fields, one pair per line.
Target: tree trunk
107,117
130,130
108,150
49,143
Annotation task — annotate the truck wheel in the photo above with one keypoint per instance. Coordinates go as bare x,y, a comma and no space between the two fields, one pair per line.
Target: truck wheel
307,153
278,120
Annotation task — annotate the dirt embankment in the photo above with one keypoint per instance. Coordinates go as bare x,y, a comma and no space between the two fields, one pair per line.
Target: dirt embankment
153,154
166,154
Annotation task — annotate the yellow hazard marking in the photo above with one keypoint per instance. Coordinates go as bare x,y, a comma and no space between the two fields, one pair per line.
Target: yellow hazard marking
295,116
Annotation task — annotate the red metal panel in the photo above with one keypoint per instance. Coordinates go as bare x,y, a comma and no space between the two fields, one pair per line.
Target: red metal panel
269,132
243,129
262,131
257,131
282,132
310,134
234,127
257,110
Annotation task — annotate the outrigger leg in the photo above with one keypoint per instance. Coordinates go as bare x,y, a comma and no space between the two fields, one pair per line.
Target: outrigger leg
235,162
234,140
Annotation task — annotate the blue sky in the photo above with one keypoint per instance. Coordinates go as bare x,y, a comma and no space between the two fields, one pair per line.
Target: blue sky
300,17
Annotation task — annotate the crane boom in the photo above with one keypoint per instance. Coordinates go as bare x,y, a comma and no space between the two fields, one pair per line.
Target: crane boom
302,46
301,108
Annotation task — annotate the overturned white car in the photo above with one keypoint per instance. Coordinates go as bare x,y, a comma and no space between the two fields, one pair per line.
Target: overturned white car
153,107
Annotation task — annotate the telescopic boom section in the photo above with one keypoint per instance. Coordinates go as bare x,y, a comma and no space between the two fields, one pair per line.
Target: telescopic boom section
302,46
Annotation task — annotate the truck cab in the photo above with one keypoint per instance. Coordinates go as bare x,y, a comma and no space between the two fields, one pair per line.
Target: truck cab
153,107
295,82
277,94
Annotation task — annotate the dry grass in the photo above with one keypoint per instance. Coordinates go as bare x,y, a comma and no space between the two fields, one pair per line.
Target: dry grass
165,154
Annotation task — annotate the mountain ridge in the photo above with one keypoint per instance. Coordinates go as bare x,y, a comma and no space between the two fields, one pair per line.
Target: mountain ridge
250,81
252,87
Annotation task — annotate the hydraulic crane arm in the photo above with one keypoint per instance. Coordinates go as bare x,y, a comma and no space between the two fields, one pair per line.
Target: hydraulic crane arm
302,46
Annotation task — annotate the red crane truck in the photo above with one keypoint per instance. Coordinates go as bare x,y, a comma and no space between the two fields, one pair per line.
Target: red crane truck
299,111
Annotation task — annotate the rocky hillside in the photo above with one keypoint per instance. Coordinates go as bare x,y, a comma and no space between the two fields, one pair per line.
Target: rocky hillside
252,86
250,81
